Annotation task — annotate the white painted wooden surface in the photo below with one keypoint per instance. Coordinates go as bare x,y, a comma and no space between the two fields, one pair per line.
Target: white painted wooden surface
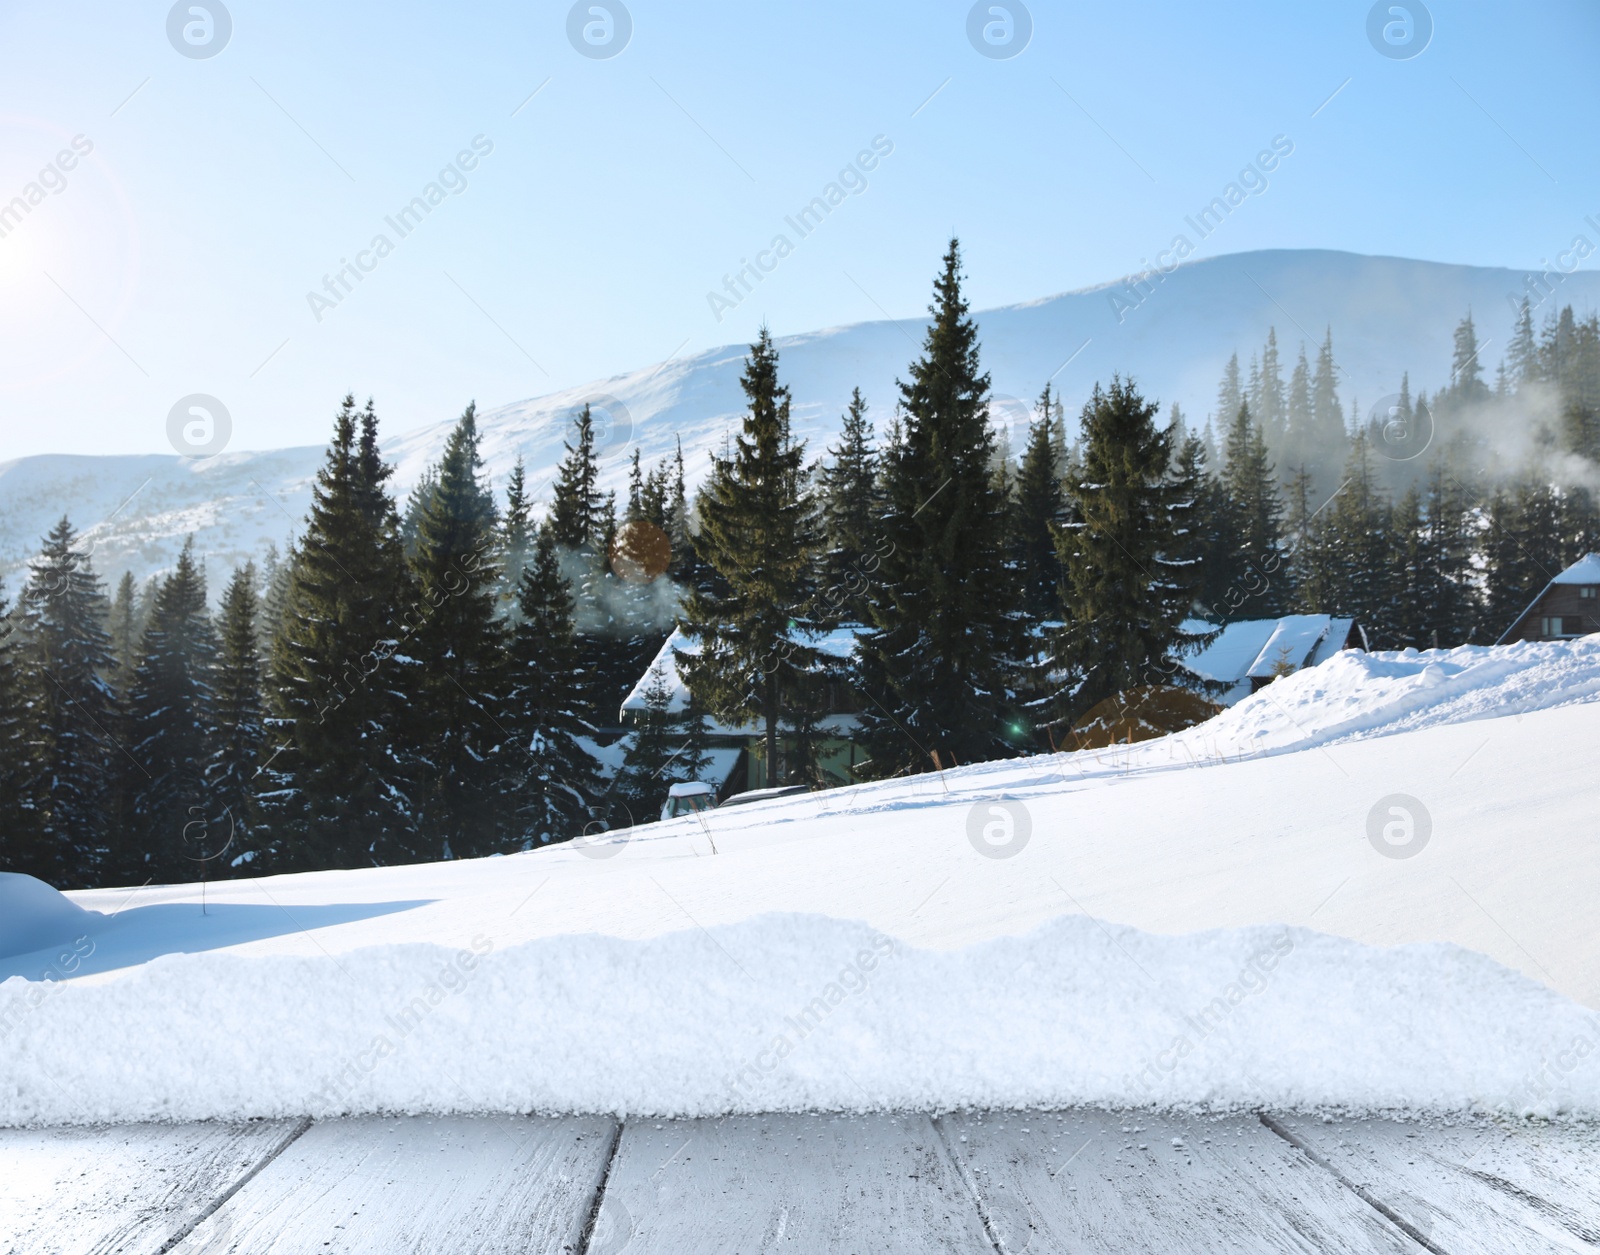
459,1184
871,1185
125,1190
1483,1187
1092,1181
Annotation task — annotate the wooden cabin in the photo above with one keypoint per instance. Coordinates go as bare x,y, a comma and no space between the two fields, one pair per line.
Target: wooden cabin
1569,606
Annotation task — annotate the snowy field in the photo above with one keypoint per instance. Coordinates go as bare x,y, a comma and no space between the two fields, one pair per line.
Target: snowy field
1371,886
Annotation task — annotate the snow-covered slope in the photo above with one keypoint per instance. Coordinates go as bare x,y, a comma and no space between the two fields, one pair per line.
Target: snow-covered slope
1387,900
1388,315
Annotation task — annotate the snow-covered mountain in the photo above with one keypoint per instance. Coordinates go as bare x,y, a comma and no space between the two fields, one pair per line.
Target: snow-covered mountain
1173,333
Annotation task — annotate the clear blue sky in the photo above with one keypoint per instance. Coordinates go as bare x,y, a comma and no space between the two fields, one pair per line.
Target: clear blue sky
179,254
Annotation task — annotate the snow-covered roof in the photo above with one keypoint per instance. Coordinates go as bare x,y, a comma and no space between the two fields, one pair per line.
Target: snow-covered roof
839,643
1586,570
1252,648
1291,643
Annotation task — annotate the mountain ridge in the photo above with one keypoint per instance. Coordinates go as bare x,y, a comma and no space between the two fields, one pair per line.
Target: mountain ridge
1388,315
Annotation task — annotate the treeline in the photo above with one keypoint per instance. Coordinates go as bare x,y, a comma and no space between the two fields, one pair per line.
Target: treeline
443,679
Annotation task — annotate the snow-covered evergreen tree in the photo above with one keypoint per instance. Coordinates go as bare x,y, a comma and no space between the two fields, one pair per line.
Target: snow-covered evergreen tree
757,531
170,707
238,729
849,506
340,692
551,779
65,659
936,670
459,646
1127,589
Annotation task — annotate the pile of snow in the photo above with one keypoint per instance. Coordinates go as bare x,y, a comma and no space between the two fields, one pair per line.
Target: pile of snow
793,1012
33,916
1354,695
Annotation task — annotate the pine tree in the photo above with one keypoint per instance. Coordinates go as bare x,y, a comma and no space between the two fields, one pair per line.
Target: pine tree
1127,593
239,731
1206,537
19,851
755,530
1522,354
1522,550
1037,514
340,695
936,668
1255,512
1300,437
121,625
1361,527
646,774
416,506
169,719
275,578
553,782
1230,392
576,502
1267,398
1328,442
850,506
65,657
1466,371
516,540
459,644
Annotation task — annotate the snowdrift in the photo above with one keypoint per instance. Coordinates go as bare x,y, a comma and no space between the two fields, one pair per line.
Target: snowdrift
793,1012
33,916
1354,695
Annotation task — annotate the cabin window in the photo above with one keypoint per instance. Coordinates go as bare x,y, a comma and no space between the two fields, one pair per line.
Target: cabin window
1586,590
1561,625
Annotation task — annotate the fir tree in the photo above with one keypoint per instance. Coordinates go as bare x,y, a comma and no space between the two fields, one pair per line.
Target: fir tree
460,646
1255,516
1466,371
1361,526
755,531
936,668
1037,514
19,851
553,782
1267,397
169,717
576,503
1522,354
340,688
850,507
1230,392
637,793
122,625
65,657
516,539
240,733
1126,592
1521,550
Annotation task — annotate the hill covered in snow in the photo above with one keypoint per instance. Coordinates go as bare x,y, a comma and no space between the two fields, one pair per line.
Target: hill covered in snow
1173,333
1369,885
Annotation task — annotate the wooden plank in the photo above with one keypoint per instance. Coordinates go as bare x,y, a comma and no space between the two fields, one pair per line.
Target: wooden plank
494,1184
1495,1187
1092,1181
868,1184
125,1189
479,1185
